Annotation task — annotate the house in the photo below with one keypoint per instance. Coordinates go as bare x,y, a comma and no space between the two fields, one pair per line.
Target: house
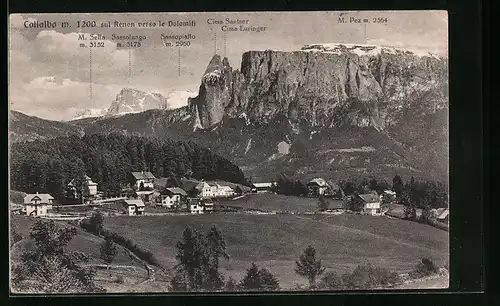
134,207
38,204
221,190
74,192
443,215
172,197
144,179
317,186
366,203
212,189
196,206
208,205
263,187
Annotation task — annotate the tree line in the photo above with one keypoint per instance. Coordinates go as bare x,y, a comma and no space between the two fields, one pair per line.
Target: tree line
48,166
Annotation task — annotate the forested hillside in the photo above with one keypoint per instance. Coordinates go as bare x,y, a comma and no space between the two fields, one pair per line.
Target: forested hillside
47,166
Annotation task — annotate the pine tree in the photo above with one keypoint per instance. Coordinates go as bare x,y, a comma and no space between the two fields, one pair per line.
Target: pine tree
257,280
96,222
322,203
46,267
251,281
307,266
108,250
397,185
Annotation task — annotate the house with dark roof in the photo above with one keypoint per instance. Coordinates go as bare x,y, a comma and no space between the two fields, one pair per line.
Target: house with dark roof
263,187
134,207
172,197
317,186
143,178
37,204
368,203
74,192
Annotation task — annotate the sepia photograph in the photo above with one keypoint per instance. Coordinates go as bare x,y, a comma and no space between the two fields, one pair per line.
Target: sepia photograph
228,152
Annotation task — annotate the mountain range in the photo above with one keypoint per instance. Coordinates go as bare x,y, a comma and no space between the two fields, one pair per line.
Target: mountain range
325,110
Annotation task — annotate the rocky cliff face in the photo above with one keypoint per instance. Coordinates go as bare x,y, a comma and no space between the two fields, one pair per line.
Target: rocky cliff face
329,110
132,101
322,85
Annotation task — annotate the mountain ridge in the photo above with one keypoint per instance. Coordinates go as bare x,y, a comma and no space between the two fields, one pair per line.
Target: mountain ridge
281,109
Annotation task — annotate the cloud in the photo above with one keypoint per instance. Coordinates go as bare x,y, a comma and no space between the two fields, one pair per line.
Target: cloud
59,98
17,21
179,98
57,48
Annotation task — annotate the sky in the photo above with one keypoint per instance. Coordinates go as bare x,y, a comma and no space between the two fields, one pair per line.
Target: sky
50,74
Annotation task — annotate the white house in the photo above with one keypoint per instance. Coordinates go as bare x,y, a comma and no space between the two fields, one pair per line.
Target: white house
212,189
370,204
317,186
134,207
196,207
443,215
90,192
208,205
222,191
172,197
145,178
38,204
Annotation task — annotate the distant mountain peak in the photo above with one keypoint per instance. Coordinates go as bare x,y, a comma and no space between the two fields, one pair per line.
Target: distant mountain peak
131,100
364,49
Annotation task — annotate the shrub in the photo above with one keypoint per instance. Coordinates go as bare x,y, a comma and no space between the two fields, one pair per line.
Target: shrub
256,279
424,268
15,236
364,277
231,285
330,281
119,279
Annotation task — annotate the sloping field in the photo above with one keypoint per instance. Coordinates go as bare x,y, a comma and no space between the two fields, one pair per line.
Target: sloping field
276,241
271,201
82,242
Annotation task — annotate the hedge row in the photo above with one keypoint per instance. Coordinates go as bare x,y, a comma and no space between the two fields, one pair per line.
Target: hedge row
147,256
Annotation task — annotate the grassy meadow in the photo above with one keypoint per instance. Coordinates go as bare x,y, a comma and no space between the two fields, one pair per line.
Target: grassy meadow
274,202
276,241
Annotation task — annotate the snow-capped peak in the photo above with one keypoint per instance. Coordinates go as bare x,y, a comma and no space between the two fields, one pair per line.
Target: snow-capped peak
364,49
90,113
131,100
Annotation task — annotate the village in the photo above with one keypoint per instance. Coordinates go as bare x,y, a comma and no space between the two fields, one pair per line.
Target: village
148,195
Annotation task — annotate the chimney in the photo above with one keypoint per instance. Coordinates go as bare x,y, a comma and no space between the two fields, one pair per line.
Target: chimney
37,192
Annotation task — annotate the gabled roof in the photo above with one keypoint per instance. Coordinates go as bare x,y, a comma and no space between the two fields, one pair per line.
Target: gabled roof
143,175
188,184
318,181
138,203
177,190
263,185
444,214
201,185
144,192
89,182
369,198
44,198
